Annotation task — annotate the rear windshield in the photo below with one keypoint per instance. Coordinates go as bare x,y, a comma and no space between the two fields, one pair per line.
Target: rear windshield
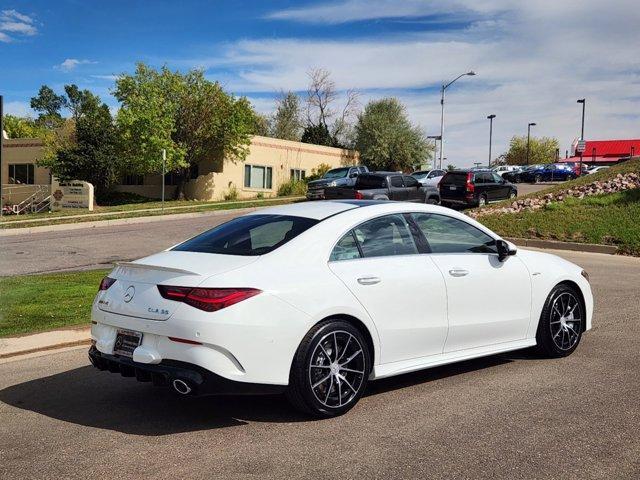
250,235
454,178
366,182
336,173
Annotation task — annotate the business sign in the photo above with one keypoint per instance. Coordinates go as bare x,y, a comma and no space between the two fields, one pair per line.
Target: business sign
581,146
71,194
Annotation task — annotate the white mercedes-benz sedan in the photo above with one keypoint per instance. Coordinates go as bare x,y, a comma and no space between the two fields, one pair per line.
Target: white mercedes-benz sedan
316,299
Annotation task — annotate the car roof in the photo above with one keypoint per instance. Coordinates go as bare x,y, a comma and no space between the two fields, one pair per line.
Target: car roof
318,210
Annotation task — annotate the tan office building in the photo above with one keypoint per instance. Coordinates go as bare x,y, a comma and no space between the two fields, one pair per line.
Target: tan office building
270,163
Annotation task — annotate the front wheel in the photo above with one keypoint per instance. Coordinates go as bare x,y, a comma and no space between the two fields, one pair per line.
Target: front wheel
482,200
561,323
432,201
330,369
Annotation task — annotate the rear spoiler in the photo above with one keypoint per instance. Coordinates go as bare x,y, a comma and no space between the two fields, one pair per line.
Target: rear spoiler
144,266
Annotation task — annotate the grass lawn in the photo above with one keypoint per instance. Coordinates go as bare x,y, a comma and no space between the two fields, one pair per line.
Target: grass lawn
34,303
612,219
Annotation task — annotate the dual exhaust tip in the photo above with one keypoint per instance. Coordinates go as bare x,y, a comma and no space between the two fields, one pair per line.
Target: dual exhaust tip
182,387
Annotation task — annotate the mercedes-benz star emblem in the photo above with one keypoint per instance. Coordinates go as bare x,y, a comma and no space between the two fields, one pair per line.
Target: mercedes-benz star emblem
129,293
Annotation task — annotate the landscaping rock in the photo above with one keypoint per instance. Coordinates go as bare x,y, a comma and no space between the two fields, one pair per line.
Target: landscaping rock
619,183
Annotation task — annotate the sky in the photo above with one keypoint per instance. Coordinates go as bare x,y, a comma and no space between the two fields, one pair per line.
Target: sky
533,58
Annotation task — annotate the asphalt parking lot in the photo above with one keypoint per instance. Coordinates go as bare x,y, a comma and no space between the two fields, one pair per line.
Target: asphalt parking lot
507,416
102,246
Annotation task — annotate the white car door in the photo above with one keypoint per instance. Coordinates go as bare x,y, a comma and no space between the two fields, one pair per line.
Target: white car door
489,301
403,292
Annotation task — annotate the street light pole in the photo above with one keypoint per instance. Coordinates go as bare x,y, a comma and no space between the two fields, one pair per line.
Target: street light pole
490,117
583,101
532,124
164,172
470,73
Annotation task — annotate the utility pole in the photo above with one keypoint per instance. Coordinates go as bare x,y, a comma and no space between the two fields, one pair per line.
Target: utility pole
164,161
532,124
490,117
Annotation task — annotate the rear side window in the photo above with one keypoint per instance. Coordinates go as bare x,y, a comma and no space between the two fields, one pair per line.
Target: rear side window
454,178
249,235
410,182
385,236
369,182
345,249
450,235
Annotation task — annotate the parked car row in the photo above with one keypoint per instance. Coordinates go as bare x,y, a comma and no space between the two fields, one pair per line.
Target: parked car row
548,172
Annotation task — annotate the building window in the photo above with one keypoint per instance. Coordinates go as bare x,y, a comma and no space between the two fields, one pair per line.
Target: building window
257,177
133,180
173,178
21,173
298,174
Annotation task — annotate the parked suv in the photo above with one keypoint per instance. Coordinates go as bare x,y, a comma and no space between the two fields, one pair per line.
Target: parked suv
474,188
502,169
386,186
336,177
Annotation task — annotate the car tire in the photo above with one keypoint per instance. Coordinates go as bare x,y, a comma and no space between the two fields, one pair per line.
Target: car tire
432,201
513,194
537,179
559,332
326,351
482,200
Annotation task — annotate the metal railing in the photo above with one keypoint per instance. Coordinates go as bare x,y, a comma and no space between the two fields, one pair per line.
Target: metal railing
33,198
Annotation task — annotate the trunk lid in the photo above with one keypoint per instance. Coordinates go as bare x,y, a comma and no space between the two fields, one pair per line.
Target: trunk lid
135,292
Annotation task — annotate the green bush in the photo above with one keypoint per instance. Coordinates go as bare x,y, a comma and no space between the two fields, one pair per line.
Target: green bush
293,187
232,194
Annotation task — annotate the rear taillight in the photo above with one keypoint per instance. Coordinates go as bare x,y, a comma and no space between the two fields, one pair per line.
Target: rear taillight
207,299
106,282
469,185
358,195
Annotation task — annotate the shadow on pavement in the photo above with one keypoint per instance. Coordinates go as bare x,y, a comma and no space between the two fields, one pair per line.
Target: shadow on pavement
104,400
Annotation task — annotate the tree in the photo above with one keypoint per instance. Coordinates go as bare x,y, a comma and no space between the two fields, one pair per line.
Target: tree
21,127
319,135
451,167
85,147
287,121
193,119
322,114
387,140
48,106
541,150
262,125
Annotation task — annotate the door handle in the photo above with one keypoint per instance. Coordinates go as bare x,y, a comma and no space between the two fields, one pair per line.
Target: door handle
458,272
368,280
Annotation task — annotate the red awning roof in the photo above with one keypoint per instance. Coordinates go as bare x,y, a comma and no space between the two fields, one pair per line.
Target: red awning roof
597,159
611,148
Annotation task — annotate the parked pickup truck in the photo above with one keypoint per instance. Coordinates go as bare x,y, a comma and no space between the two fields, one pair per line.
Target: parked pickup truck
386,186
336,177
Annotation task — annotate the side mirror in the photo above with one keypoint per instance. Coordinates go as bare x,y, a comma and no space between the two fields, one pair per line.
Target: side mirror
353,175
505,249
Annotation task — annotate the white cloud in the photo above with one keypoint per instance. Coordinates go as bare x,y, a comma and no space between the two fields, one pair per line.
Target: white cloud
14,24
534,59
19,109
71,63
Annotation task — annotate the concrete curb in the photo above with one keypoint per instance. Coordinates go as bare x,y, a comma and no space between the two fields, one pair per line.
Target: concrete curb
556,245
53,340
8,232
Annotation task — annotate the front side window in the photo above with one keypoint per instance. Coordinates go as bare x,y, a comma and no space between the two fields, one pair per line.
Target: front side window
450,235
385,236
369,182
345,249
396,181
249,235
410,182
259,177
21,173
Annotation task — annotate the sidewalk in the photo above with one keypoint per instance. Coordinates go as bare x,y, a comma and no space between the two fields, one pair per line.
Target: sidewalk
53,340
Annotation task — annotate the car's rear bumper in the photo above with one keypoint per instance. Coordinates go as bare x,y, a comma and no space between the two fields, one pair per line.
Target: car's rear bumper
199,380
